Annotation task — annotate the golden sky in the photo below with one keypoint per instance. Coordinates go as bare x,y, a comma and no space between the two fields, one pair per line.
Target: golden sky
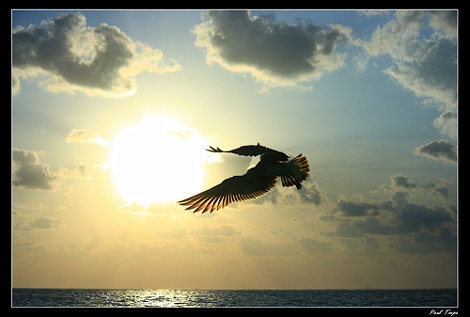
112,112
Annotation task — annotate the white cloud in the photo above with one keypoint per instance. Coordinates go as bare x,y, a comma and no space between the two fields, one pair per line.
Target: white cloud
447,123
78,173
87,136
95,60
445,21
424,65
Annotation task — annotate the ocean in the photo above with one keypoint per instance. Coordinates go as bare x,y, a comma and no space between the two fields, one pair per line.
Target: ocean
30,297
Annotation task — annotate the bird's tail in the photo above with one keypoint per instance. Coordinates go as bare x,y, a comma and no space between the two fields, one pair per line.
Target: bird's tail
296,172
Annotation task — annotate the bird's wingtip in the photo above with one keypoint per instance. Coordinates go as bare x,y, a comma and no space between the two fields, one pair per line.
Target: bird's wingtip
213,149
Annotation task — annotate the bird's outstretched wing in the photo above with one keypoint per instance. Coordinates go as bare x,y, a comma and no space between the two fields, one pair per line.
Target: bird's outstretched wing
231,190
253,150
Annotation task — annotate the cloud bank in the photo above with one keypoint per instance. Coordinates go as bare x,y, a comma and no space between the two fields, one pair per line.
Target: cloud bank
95,60
277,54
408,227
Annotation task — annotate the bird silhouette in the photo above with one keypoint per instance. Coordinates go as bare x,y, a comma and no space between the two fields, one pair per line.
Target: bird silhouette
257,181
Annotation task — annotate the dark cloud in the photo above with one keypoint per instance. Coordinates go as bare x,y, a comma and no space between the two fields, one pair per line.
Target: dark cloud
411,223
273,52
435,76
311,193
399,180
426,242
402,185
413,218
53,51
78,56
438,189
365,226
28,173
438,150
355,209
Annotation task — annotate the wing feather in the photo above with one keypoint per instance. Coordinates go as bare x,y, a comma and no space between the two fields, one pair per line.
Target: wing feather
237,188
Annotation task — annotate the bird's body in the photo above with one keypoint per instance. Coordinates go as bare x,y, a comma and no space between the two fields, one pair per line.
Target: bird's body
256,182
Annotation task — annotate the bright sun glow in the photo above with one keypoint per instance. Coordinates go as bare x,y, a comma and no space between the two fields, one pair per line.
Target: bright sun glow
159,160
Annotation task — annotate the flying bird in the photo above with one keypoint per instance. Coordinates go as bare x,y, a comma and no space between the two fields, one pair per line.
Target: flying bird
256,182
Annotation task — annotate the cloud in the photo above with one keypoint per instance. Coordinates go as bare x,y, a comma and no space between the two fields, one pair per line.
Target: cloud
438,189
447,123
28,208
445,21
398,38
402,221
46,223
438,150
87,136
423,63
277,54
435,77
29,174
414,217
371,13
400,180
359,209
425,66
403,185
78,172
408,225
95,60
427,243
310,195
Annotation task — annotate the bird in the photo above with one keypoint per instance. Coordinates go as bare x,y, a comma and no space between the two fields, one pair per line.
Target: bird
256,182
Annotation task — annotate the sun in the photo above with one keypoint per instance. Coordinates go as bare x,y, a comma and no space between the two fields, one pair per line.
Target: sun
158,160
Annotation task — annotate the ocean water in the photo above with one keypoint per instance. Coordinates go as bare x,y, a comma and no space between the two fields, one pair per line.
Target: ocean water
29,297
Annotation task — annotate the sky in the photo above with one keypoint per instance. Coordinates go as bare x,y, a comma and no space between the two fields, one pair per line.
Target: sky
112,111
